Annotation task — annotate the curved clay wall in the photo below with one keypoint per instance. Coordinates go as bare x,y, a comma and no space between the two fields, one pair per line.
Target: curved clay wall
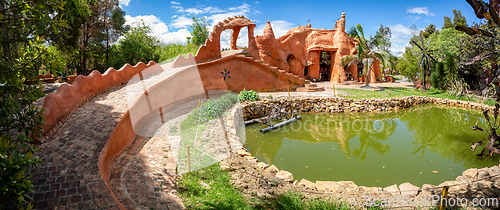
60,104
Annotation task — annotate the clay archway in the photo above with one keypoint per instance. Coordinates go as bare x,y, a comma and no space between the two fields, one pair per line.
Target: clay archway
211,49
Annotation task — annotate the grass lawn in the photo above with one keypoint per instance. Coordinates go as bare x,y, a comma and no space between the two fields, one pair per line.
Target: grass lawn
398,92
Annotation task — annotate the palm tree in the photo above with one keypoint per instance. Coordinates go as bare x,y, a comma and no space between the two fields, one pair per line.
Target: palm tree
364,54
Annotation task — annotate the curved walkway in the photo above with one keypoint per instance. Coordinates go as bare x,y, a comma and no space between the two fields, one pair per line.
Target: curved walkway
142,177
69,175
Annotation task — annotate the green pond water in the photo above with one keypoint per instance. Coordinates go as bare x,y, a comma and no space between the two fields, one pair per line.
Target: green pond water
375,149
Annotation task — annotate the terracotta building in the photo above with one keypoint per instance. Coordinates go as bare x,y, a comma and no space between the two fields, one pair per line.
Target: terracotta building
301,55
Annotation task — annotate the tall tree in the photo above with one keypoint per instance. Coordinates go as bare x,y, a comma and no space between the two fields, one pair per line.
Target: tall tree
428,31
447,23
199,31
383,38
66,38
137,45
458,18
113,23
104,27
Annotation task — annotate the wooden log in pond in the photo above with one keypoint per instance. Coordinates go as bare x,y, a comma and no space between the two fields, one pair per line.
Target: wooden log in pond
258,120
279,125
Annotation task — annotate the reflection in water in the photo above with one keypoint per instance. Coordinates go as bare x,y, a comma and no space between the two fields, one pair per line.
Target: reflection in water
395,147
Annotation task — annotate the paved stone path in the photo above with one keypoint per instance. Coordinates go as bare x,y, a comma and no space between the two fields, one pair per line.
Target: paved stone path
69,176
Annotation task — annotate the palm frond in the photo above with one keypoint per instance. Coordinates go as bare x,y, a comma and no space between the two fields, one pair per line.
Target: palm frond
348,60
353,32
360,30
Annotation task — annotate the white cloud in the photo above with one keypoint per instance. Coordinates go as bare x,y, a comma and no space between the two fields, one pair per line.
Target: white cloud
280,27
420,11
244,10
179,36
413,18
400,38
159,28
182,22
195,10
242,41
257,2
124,2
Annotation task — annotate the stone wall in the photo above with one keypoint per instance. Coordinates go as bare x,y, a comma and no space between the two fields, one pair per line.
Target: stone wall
258,109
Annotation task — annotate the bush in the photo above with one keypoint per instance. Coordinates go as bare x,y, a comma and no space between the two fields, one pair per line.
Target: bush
212,108
458,87
438,77
248,95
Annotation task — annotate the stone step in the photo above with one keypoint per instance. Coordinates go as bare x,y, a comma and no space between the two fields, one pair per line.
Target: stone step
311,85
310,89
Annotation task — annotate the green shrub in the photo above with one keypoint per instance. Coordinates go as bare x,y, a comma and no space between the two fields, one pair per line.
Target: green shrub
435,80
15,184
248,95
212,109
458,88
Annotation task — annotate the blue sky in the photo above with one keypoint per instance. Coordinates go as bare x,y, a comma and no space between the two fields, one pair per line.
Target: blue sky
170,20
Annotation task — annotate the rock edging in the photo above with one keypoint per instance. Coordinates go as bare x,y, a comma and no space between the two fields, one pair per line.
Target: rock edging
474,183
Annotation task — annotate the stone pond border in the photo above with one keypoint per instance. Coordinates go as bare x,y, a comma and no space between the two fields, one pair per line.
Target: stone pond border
479,180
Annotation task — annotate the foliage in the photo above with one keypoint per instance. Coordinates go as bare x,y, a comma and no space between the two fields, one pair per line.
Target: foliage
199,31
137,45
383,38
431,29
458,18
446,41
170,51
458,88
20,121
66,38
438,77
98,32
53,60
447,23
248,95
408,65
211,109
22,24
476,49
365,54
492,125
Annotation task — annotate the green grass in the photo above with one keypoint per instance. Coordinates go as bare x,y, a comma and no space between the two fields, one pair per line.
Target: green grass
398,92
169,52
222,195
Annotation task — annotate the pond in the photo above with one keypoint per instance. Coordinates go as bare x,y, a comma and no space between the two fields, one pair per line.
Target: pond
423,144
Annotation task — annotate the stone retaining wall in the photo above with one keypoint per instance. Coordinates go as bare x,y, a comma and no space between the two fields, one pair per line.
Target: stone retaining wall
257,109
